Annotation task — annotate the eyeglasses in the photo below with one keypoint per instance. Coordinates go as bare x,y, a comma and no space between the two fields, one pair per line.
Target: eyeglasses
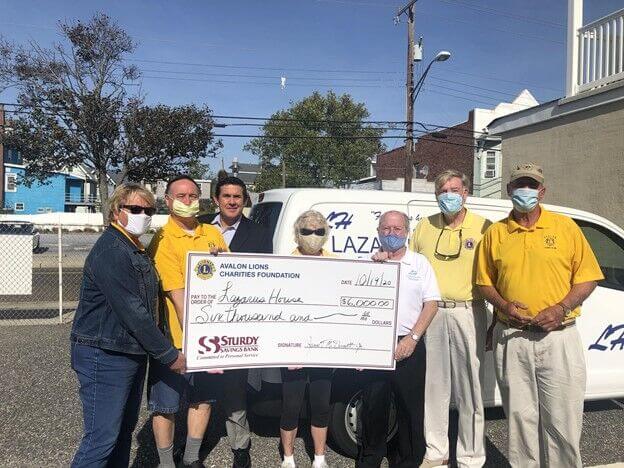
309,232
138,209
448,256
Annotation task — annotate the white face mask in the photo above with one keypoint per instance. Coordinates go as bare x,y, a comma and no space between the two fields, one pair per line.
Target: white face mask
185,211
137,224
311,244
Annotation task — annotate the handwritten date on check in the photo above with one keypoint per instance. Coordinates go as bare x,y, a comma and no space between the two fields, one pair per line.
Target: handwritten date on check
248,311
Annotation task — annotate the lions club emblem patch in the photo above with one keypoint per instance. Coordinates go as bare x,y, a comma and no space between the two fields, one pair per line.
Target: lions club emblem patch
550,241
204,269
469,243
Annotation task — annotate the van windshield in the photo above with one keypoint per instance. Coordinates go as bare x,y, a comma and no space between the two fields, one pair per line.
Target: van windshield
266,214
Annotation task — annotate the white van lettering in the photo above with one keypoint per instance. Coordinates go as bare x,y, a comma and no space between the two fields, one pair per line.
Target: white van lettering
610,330
358,244
340,218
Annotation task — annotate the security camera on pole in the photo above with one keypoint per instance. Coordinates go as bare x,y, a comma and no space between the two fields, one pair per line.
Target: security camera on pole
414,54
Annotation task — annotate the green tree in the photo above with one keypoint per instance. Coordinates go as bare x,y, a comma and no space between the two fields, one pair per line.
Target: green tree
322,140
76,108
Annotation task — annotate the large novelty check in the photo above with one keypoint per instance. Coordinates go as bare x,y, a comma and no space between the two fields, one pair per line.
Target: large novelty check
247,310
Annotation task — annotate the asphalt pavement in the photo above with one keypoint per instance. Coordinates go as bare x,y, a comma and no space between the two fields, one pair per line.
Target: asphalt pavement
40,415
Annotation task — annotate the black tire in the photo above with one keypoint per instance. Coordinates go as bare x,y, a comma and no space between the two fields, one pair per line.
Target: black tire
344,424
340,432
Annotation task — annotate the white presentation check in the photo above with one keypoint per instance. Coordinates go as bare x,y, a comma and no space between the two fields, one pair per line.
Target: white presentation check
247,310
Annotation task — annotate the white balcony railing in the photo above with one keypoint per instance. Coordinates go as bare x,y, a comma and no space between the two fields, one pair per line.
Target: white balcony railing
601,52
81,199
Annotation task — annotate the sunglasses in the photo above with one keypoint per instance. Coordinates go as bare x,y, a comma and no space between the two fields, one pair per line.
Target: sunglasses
138,209
446,255
309,232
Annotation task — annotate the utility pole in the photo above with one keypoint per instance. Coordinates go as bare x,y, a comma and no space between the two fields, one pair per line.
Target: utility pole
409,88
283,171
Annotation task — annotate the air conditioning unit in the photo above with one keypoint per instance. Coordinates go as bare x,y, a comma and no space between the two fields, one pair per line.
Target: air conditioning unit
490,174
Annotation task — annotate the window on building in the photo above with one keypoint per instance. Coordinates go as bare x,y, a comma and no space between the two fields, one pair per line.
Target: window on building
19,206
10,182
609,250
490,165
11,156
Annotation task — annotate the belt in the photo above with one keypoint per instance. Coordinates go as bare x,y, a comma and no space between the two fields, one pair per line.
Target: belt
538,329
446,304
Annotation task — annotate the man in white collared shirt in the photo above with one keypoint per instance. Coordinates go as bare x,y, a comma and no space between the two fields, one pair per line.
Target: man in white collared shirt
417,305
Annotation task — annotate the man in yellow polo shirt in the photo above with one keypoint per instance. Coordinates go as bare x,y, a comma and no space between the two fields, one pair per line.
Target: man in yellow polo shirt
456,336
168,248
536,268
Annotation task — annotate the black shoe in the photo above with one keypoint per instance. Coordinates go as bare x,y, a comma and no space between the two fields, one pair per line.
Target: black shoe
241,458
195,464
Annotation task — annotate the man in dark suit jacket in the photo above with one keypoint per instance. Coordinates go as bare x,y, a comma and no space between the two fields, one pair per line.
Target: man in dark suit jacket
242,235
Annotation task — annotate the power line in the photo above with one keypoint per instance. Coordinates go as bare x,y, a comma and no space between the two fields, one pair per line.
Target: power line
241,67
264,83
343,137
524,85
373,72
239,75
491,28
424,125
473,86
301,78
493,11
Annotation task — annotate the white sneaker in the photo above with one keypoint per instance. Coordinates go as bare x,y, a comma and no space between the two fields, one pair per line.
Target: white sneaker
286,464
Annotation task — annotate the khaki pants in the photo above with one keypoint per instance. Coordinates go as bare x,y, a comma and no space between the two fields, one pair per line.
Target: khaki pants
456,345
541,377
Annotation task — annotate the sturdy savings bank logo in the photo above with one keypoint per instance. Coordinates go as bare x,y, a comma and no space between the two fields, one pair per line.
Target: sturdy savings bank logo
227,344
205,269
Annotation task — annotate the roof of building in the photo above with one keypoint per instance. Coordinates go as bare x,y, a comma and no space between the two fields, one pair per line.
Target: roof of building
558,108
247,172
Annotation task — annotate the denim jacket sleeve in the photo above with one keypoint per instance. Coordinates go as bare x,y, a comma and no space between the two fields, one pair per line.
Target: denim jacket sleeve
113,272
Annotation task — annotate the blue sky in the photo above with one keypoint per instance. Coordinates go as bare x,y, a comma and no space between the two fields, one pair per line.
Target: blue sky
241,48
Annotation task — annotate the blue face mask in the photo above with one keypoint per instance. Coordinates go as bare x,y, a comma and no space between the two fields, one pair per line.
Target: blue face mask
450,203
392,243
524,199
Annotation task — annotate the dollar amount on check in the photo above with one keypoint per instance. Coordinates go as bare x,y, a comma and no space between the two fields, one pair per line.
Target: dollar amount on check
246,311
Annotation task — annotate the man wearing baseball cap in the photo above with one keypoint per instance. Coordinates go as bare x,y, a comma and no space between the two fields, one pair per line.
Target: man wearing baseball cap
537,268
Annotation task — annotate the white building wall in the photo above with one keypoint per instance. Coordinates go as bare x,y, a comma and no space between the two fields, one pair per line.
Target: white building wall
487,180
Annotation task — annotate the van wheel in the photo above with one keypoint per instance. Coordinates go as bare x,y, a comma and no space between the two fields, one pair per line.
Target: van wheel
344,424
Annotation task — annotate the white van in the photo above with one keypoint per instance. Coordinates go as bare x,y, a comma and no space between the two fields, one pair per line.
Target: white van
353,216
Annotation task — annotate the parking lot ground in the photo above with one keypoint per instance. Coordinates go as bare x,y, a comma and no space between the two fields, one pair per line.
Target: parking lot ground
40,415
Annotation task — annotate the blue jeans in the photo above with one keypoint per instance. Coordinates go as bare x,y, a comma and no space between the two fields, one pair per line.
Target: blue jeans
111,387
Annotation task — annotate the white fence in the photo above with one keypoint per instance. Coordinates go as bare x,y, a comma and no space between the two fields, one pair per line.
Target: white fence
601,52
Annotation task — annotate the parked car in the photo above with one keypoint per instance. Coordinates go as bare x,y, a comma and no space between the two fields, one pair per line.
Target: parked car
21,228
354,215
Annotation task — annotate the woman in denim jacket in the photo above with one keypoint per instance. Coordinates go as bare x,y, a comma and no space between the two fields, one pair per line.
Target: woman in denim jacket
115,329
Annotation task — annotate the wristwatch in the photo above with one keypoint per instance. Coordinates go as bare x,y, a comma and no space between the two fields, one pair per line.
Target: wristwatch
566,309
415,337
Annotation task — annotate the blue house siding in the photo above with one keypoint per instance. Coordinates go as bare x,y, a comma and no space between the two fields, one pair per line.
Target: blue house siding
38,198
